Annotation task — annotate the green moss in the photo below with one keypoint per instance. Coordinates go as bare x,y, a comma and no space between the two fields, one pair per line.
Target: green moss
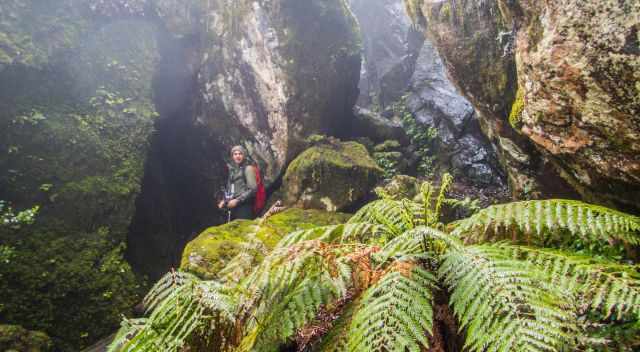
74,287
17,338
344,155
386,146
208,253
445,12
516,110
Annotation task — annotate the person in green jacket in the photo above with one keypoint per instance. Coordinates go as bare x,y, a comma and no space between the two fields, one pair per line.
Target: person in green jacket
241,186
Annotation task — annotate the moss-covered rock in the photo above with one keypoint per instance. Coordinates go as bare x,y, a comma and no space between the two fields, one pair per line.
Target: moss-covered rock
14,338
331,176
76,114
208,253
402,187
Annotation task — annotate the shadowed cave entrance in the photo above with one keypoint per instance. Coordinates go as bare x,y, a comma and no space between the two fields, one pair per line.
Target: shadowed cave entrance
184,168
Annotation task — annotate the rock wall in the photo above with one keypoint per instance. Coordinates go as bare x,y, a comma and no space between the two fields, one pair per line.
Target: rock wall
578,68
400,67
106,102
266,74
476,41
76,113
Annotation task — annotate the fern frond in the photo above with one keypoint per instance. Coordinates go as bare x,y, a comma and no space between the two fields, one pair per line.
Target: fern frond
504,305
337,338
546,218
180,303
287,290
416,241
128,329
611,288
396,313
349,232
445,183
393,216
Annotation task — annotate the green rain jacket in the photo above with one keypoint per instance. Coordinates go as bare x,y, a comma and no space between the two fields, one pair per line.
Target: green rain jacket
242,181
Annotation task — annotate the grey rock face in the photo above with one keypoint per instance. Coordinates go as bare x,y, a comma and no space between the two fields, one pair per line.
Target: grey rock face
398,63
264,74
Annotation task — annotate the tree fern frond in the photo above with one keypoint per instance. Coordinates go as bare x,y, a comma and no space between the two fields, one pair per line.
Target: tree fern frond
392,215
295,309
349,232
396,313
546,218
416,241
128,329
161,289
503,304
612,288
180,302
445,183
337,338
288,289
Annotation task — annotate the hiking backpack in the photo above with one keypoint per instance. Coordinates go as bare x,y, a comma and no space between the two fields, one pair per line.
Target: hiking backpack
261,194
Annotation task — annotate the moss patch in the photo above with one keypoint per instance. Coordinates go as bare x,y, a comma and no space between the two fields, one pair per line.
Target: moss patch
515,117
17,338
209,253
330,176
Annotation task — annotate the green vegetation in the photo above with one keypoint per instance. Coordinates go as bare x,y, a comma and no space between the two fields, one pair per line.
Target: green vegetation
510,277
515,117
76,114
423,139
17,338
388,156
74,287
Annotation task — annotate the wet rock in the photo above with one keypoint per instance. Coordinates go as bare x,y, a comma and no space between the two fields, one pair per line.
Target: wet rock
401,67
579,73
378,128
574,105
330,176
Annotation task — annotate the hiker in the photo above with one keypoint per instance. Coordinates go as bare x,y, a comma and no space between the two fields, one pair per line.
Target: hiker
242,186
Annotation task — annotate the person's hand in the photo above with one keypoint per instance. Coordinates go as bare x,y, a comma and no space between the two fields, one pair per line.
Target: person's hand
221,204
233,203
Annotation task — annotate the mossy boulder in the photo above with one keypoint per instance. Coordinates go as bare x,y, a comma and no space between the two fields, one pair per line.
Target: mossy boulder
208,253
402,186
18,339
331,176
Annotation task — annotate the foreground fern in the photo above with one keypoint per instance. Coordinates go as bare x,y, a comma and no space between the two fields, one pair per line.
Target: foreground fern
391,279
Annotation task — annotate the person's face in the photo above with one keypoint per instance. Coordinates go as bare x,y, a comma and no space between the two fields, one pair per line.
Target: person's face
237,156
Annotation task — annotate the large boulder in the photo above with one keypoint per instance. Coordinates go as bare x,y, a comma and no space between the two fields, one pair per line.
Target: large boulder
402,73
16,338
569,107
210,252
579,74
475,41
331,176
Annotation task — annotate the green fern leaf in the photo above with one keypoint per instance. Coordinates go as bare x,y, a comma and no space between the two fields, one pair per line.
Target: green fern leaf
503,304
395,314
547,218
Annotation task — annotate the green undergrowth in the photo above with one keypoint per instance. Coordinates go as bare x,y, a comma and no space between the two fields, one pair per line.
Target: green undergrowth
211,251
